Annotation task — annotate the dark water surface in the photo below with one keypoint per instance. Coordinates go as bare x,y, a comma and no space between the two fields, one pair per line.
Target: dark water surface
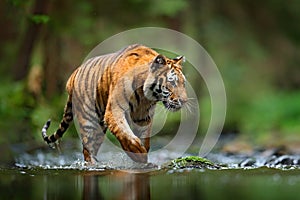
48,175
260,183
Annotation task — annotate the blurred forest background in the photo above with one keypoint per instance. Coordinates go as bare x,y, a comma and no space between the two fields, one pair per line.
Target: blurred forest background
256,46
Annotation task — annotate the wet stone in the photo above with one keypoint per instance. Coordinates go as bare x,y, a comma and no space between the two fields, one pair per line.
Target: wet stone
282,161
249,162
263,158
270,160
285,160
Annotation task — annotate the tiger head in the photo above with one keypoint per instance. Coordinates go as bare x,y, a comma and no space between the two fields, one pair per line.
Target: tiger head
166,82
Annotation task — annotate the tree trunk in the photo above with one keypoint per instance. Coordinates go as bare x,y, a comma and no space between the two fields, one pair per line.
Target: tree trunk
52,65
21,66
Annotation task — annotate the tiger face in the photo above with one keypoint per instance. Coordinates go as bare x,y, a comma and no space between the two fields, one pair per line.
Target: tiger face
166,82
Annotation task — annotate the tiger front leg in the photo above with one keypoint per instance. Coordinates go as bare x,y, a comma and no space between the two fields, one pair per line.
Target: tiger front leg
130,143
143,131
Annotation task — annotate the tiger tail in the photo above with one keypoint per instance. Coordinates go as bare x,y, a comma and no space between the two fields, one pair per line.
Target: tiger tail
67,116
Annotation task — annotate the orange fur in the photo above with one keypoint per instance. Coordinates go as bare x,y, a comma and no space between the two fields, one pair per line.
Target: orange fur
119,91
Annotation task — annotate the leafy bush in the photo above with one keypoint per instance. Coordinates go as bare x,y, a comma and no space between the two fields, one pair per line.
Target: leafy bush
274,112
15,109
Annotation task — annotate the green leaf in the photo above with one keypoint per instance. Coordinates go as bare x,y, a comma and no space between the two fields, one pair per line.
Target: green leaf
40,19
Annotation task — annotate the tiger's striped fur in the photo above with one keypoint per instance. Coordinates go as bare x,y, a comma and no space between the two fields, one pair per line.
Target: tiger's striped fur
119,91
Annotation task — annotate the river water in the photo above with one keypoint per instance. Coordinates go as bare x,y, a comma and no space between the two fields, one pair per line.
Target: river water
259,183
48,175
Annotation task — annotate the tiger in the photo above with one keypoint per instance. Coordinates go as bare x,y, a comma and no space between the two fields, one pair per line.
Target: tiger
119,91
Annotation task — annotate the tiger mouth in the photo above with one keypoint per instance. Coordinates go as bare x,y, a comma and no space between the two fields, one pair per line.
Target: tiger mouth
172,106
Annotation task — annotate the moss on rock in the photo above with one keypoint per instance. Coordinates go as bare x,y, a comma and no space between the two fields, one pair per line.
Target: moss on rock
191,162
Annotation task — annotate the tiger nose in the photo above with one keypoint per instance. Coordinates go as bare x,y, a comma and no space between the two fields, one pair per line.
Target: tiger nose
182,100
179,101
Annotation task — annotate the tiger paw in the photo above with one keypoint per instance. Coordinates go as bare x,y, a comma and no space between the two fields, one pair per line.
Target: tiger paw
134,149
138,157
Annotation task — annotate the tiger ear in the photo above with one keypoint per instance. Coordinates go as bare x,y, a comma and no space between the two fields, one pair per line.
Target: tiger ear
179,60
158,62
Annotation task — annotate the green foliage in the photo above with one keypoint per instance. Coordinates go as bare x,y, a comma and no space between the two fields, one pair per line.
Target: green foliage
274,112
19,3
15,107
21,117
40,115
256,107
167,7
54,111
112,138
40,19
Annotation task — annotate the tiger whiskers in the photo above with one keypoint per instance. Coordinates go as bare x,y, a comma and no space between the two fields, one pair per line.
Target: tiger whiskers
190,104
